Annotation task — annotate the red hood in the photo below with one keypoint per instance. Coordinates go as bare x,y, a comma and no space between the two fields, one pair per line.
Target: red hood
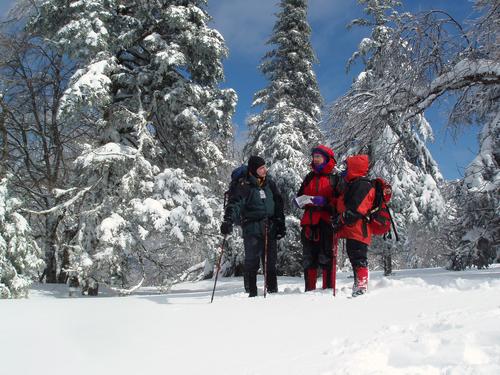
331,158
357,166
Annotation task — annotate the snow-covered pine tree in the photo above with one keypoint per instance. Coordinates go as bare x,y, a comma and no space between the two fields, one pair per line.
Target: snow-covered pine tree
396,147
446,59
477,223
148,82
479,204
20,257
162,53
287,127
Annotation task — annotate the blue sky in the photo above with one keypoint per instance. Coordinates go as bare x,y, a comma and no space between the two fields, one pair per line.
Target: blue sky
247,24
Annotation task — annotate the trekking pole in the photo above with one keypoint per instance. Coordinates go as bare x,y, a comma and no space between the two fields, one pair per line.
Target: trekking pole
266,229
218,267
335,249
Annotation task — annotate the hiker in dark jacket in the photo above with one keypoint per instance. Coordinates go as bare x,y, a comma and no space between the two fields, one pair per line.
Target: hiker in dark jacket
353,207
258,204
317,231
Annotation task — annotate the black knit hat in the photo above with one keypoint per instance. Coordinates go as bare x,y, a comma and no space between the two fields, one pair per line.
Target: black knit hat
254,163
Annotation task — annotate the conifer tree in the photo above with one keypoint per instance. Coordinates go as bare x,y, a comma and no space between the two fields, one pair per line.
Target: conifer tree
477,223
287,127
147,82
20,257
478,204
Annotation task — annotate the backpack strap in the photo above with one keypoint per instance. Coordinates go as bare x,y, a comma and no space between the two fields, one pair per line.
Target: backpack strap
352,203
231,189
379,196
238,190
354,195
337,183
279,210
238,175
306,181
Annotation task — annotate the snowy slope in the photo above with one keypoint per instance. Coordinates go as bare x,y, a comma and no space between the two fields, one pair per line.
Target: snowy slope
427,321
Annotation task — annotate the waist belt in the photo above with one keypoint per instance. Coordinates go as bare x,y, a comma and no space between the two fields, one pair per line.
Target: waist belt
248,221
327,209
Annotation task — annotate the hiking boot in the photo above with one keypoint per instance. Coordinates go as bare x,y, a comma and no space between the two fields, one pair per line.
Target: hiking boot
358,292
360,281
252,284
272,283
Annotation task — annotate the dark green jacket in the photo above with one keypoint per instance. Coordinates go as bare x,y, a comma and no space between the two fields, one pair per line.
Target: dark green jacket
250,205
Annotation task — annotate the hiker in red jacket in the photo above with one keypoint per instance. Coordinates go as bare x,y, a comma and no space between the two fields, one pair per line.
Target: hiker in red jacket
317,232
353,206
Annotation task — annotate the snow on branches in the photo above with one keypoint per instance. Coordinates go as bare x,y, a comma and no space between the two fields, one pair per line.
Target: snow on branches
20,257
147,85
288,125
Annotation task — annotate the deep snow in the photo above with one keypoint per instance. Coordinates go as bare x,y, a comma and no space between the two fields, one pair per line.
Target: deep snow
426,321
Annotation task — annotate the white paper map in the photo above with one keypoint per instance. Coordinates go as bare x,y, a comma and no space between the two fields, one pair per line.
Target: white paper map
303,200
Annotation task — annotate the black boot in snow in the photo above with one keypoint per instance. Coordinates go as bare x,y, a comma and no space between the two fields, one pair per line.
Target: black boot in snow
358,292
252,284
272,283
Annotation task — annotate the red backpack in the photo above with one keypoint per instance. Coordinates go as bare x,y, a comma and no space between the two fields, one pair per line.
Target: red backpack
379,216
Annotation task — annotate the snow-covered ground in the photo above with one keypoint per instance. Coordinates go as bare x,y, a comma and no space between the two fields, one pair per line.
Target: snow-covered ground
427,321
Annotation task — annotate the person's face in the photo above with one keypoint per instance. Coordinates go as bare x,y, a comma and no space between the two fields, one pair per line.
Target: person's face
318,159
262,171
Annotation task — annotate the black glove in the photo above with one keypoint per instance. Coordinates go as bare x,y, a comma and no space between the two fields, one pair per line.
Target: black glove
226,228
336,222
280,230
350,217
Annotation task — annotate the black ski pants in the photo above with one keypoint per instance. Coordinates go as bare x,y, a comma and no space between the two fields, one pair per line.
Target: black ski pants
317,253
357,253
254,255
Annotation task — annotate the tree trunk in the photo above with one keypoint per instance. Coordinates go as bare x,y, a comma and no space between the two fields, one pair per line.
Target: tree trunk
90,288
387,257
67,239
3,130
63,274
51,224
51,265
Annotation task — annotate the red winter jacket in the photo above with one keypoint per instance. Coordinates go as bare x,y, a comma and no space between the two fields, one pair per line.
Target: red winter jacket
319,184
356,201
